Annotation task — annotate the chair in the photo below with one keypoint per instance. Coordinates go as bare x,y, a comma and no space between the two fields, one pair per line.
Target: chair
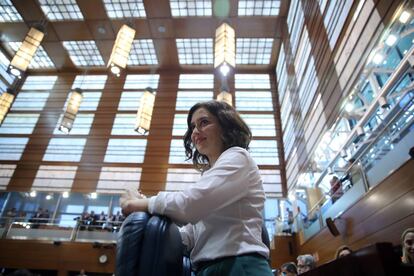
151,246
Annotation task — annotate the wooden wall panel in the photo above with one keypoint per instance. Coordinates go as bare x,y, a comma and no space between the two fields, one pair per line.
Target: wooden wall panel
67,256
283,250
382,215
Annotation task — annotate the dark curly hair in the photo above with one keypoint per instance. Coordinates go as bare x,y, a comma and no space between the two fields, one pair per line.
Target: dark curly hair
235,131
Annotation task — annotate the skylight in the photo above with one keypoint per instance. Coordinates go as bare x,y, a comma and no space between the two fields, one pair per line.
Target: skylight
6,173
254,50
259,7
196,81
89,82
8,12
142,53
141,81
84,53
195,51
54,178
40,59
118,179
61,10
124,8
252,81
181,8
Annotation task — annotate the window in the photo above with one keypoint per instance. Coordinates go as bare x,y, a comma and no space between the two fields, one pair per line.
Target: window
54,178
125,150
118,179
181,8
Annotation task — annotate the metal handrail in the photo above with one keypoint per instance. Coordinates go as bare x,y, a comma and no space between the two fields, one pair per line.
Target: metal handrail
372,141
391,82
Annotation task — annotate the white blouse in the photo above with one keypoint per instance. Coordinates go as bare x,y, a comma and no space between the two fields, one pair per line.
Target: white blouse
223,208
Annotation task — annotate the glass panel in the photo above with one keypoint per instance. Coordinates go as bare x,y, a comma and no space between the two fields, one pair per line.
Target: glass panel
141,81
264,152
125,150
258,7
6,172
186,99
177,153
39,82
260,125
8,12
181,8
90,82
195,50
196,81
84,53
252,81
130,101
142,53
12,148
254,50
117,179
254,101
61,10
30,101
81,126
124,8
65,149
54,178
19,123
180,125
124,124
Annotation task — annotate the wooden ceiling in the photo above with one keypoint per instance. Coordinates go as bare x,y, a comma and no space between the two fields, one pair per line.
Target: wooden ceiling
99,27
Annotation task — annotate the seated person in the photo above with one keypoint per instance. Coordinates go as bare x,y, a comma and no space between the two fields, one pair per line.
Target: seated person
342,251
353,174
12,213
305,263
336,189
407,242
222,211
288,269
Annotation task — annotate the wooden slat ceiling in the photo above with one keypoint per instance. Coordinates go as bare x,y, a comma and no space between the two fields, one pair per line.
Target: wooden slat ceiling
99,27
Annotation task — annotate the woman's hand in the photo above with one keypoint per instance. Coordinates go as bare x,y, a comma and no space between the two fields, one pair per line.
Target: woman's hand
133,201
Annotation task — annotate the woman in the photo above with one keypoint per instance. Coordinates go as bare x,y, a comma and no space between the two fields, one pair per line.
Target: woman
288,269
342,251
407,242
223,209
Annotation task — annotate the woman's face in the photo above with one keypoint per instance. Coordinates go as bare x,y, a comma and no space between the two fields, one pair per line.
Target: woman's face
409,244
206,134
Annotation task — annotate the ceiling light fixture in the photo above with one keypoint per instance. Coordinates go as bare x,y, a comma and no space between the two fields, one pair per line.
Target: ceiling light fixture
225,48
27,50
391,39
6,100
378,58
144,114
122,48
404,16
71,111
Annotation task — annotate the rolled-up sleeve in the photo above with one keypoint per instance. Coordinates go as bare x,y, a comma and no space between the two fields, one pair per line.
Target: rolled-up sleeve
225,183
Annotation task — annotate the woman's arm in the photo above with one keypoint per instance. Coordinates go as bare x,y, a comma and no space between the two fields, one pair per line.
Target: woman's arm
133,201
227,182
